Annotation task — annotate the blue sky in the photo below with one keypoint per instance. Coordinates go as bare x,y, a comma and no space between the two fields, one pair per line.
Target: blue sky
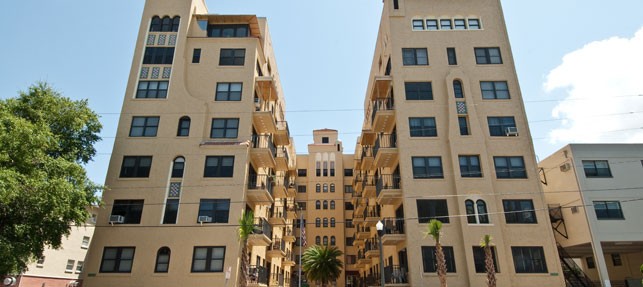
578,62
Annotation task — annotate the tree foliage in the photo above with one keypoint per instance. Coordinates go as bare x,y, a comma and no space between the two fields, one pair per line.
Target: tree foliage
434,229
44,189
485,243
246,227
321,263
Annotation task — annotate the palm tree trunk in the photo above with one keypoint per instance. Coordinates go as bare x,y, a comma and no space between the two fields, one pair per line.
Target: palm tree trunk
243,279
441,264
491,270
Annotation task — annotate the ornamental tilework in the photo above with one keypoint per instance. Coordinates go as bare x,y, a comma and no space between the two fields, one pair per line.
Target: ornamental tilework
461,107
172,40
175,189
162,40
166,72
155,72
144,72
151,39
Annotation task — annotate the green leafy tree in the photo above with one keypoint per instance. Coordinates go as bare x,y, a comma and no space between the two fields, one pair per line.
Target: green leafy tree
321,264
434,230
44,189
246,227
485,243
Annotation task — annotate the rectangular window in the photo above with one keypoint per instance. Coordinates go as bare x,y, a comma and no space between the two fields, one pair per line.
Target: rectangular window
488,56
470,166
418,90
219,166
498,90
590,262
208,259
418,25
608,210
228,31
479,259
79,267
616,259
429,260
152,90
136,166
216,209
445,24
301,188
423,127
348,189
349,223
597,168
519,211
70,266
171,211
427,167
529,259
432,209
460,24
224,128
464,126
228,92
501,126
432,24
196,56
85,243
232,57
474,24
348,172
158,56
348,206
451,56
349,241
301,205
510,167
117,260
131,210
302,172
144,126
415,56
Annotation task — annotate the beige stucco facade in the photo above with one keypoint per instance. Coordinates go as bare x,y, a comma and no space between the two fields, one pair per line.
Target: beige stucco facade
580,181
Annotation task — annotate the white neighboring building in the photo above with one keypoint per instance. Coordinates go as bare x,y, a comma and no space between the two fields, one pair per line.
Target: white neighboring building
599,189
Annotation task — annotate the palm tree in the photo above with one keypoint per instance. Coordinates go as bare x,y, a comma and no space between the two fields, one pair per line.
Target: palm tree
321,264
434,230
246,227
488,260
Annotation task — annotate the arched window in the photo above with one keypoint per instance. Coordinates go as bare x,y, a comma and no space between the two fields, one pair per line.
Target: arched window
332,204
162,260
318,240
325,168
166,24
325,187
457,89
482,211
325,240
325,204
471,211
184,127
332,187
332,168
156,24
317,222
325,222
332,240
318,187
175,23
332,222
178,166
318,204
318,167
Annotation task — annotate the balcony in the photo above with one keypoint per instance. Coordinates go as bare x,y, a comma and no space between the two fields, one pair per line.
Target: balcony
362,261
381,87
277,279
358,217
356,196
393,232
263,117
291,212
358,180
367,137
395,275
289,261
385,151
261,234
363,232
282,158
292,187
383,115
367,157
258,276
282,134
361,205
280,190
389,190
262,151
277,216
289,235
372,248
260,190
266,88
368,185
277,249
372,215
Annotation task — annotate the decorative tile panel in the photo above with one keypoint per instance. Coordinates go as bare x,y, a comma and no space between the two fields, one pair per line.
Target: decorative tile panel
155,72
151,39
172,40
175,189
144,72
166,72
461,107
162,40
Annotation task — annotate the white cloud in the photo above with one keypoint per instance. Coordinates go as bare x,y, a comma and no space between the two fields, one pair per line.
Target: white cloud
603,83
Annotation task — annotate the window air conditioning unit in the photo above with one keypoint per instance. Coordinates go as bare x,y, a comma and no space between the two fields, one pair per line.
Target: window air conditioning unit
206,219
116,219
565,167
512,132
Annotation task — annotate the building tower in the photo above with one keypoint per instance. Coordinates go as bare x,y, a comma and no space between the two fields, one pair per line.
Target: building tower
202,138
445,136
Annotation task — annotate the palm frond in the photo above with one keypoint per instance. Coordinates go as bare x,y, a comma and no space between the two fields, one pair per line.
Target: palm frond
246,225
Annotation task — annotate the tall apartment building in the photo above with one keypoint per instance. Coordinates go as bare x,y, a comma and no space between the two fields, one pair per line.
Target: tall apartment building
594,194
445,136
202,138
